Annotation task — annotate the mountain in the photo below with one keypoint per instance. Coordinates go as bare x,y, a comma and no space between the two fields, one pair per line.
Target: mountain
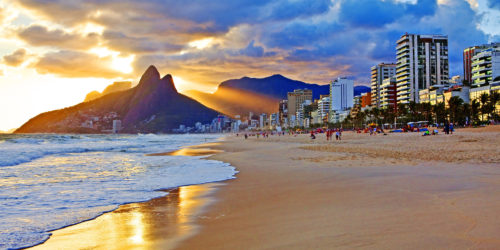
154,105
258,95
115,87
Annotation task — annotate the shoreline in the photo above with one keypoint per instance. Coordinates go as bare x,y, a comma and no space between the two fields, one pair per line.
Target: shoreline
289,197
186,203
294,192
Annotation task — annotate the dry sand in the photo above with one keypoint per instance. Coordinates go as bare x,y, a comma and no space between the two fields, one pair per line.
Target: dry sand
400,191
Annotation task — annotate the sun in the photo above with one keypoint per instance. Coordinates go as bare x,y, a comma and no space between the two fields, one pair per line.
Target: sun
202,43
123,64
119,63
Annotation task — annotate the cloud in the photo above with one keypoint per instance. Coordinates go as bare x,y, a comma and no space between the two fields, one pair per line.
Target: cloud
16,58
317,40
38,35
495,4
252,50
121,42
70,64
375,14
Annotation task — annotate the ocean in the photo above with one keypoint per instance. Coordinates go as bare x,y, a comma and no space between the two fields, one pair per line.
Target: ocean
50,181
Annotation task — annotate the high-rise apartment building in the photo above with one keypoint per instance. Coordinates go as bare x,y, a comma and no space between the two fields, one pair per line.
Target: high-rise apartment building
469,53
388,93
422,62
485,67
341,94
380,72
296,98
324,108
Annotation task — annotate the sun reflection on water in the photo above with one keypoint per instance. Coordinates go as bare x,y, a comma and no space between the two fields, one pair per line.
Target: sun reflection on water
159,223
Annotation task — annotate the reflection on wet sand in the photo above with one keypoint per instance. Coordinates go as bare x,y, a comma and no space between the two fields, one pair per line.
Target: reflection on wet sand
191,151
158,223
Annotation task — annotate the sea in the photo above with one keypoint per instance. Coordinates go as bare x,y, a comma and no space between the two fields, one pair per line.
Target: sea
49,181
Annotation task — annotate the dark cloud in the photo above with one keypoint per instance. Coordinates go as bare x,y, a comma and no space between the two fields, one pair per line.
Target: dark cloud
69,63
38,35
294,37
495,4
375,14
252,50
121,42
16,58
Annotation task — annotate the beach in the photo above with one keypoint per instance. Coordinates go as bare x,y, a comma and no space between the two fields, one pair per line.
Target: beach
375,192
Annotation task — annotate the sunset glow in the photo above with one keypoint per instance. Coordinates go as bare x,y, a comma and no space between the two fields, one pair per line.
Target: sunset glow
57,52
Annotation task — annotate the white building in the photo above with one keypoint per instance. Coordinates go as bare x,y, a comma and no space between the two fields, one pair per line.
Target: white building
324,108
338,116
117,126
422,62
485,67
380,72
341,94
263,120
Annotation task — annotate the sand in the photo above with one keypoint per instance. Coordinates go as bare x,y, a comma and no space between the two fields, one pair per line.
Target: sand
400,191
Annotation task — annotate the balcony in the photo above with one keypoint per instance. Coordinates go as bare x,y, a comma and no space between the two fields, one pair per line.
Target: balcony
400,45
480,62
403,50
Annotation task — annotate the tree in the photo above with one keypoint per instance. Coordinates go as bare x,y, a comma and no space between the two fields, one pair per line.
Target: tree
474,111
484,104
439,112
412,107
426,108
494,100
455,105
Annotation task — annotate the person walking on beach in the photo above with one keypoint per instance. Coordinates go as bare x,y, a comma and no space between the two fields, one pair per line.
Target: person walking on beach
451,128
246,136
337,135
446,127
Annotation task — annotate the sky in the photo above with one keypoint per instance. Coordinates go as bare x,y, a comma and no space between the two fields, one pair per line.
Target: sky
54,52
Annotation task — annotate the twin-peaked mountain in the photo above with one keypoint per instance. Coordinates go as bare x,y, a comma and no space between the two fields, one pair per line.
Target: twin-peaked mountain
258,95
154,105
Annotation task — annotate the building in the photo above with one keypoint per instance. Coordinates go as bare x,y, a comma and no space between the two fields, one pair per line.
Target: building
366,99
422,62
475,93
461,91
324,108
283,111
485,67
380,72
262,120
388,93
296,98
432,95
341,94
303,112
338,116
117,126
469,53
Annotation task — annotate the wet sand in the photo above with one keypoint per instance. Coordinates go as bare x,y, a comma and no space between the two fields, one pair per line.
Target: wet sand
400,191
160,223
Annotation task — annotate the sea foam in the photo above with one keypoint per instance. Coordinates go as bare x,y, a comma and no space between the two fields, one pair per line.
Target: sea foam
51,181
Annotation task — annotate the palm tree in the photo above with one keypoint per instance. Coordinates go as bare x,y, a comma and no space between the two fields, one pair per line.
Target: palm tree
412,106
426,109
439,112
494,101
376,114
466,113
474,111
484,104
455,103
